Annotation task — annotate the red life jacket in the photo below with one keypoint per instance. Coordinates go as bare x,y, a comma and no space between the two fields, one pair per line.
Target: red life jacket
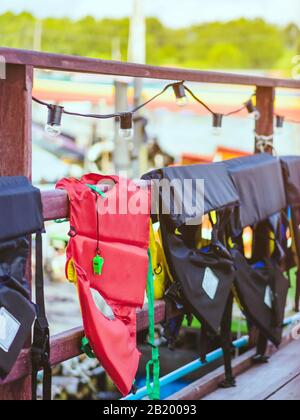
122,240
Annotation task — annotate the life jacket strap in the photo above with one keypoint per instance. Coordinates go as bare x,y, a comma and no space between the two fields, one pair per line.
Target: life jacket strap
87,349
153,366
96,189
297,294
40,351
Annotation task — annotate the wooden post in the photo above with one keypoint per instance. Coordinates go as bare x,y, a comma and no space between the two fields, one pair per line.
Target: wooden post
16,159
15,121
265,97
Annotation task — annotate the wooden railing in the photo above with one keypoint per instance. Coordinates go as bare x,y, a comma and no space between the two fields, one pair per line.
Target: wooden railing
16,155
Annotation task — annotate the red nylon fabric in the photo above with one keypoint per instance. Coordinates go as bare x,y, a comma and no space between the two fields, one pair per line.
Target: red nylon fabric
123,243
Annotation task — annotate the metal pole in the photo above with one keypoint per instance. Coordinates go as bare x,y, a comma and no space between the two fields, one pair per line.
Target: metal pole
137,54
121,152
37,36
116,49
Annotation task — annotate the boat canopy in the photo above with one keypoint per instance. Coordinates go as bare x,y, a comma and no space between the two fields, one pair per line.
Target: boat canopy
260,186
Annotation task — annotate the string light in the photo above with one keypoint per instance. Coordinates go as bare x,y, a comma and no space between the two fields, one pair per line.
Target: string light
217,124
251,108
218,118
279,121
126,126
53,126
181,98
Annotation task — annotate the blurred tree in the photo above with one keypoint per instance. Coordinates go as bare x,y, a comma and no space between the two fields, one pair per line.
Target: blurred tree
240,43
227,56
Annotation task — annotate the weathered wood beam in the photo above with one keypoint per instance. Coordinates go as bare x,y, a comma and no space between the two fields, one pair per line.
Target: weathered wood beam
89,65
15,120
67,345
210,382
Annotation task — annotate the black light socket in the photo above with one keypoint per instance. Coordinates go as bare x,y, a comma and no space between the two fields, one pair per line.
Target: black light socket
126,121
217,120
250,106
55,115
280,121
179,90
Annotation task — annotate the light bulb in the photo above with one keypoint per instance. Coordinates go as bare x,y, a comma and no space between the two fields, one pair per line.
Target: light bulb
179,91
53,130
126,133
182,101
257,115
53,126
126,126
279,131
217,131
251,108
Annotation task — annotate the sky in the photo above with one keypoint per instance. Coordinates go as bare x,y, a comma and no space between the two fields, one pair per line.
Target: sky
174,13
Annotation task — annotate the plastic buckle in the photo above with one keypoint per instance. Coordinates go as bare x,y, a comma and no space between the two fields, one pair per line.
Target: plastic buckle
153,346
72,232
40,348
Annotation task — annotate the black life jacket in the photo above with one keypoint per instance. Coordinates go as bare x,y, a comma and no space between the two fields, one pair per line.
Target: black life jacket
20,216
291,175
204,277
260,284
262,292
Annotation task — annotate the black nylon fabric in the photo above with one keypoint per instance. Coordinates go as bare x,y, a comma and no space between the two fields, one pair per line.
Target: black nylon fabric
259,182
260,185
188,267
251,286
20,215
20,208
291,174
13,259
15,300
219,192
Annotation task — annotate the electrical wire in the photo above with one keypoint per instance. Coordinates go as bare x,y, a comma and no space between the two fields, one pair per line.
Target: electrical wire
288,120
165,89
107,116
209,109
292,121
198,100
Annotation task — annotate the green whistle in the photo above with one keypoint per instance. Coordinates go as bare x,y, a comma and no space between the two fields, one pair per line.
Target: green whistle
98,263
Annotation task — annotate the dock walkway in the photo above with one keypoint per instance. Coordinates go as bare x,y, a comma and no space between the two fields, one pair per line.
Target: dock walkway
279,380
